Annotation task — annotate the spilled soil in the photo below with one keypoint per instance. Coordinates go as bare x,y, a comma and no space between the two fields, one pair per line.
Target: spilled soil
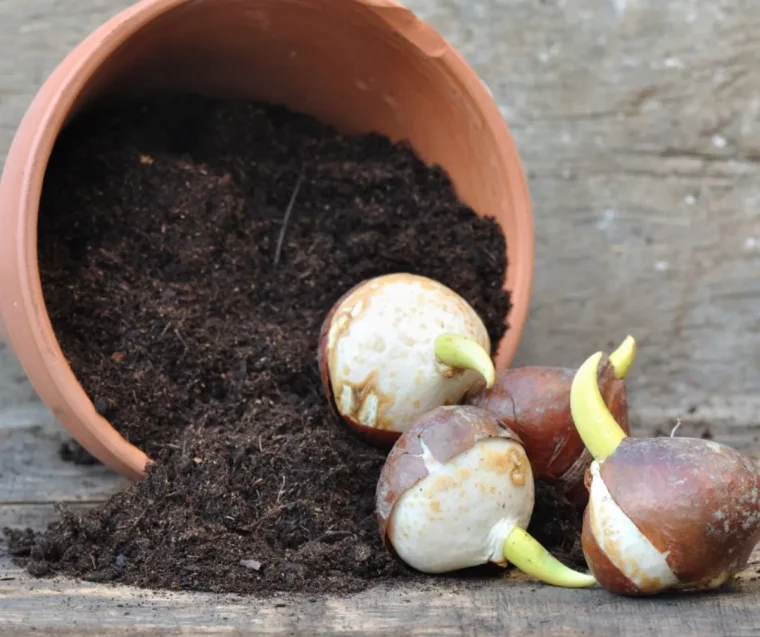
196,335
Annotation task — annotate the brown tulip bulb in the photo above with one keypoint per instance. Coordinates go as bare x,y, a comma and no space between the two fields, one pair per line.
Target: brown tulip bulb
664,513
457,491
535,403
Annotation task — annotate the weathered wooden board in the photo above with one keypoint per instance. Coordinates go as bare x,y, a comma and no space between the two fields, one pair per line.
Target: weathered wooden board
639,122
639,125
509,607
516,605
32,470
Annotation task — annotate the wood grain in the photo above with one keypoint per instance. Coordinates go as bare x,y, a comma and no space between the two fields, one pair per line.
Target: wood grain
639,123
32,471
507,607
512,606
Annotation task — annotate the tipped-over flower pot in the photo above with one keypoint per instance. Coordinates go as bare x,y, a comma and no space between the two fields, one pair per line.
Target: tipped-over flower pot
360,65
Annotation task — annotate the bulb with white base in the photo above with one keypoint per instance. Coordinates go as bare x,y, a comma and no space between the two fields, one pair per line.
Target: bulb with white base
396,346
457,491
664,513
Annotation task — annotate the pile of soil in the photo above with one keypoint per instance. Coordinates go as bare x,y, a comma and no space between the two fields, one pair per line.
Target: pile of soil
158,233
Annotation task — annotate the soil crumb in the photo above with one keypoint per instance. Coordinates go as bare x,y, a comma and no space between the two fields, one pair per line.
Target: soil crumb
158,229
20,541
557,523
72,451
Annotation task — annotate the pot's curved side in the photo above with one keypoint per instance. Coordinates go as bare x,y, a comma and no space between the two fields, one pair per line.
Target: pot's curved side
159,45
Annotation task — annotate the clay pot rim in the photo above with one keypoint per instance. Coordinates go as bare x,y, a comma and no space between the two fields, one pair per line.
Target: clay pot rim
34,139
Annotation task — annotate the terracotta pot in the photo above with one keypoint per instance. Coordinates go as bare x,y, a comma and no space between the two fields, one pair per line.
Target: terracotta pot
361,65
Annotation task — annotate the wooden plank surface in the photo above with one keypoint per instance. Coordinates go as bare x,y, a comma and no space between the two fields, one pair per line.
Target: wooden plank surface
504,608
639,124
31,469
514,606
34,472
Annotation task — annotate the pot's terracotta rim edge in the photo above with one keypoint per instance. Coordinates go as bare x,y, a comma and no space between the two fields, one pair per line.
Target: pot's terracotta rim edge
63,86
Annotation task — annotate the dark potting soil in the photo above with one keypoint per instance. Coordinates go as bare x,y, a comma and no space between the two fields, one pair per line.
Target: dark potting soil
72,451
158,232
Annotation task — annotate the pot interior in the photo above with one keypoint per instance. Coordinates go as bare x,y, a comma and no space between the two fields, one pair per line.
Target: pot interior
362,66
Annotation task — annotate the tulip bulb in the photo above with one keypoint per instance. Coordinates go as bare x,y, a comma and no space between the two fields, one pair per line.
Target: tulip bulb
457,491
664,513
535,403
396,346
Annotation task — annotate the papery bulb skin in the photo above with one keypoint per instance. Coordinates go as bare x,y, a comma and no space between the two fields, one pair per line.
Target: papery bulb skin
670,514
535,403
377,353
